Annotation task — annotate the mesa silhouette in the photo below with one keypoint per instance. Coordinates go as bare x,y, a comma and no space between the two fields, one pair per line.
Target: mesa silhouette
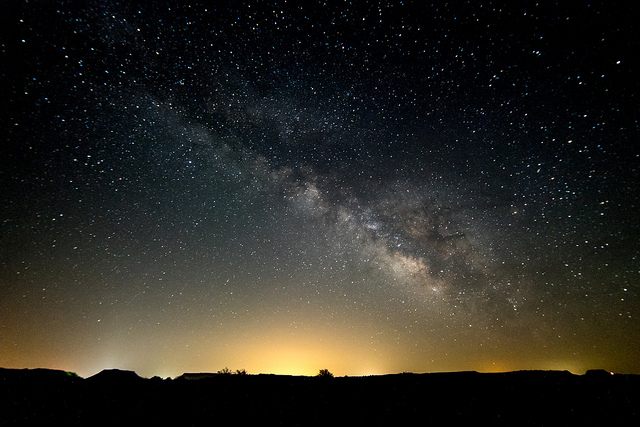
116,397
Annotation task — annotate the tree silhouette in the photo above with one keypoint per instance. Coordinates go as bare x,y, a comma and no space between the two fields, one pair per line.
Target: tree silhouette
325,373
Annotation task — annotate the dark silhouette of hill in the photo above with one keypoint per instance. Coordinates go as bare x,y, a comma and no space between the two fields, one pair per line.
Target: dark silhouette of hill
115,376
113,397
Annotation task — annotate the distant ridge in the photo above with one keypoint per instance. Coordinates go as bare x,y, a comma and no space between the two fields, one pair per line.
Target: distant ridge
128,375
196,376
115,375
115,397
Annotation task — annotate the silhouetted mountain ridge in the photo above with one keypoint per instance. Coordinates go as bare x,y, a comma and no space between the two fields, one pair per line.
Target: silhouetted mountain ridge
115,375
41,396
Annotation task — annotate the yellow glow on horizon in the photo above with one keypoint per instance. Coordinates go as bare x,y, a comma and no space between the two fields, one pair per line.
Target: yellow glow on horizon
278,350
292,360
308,360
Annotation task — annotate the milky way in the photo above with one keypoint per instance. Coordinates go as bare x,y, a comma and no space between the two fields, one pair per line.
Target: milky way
368,188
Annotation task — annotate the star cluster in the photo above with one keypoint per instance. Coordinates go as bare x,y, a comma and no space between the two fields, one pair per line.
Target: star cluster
366,186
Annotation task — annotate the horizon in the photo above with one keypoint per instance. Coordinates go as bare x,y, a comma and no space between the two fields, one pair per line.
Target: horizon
230,372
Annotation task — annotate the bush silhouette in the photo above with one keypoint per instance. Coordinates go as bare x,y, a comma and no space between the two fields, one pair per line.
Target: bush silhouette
325,373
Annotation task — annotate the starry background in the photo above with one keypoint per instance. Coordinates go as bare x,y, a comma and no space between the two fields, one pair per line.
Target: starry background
368,187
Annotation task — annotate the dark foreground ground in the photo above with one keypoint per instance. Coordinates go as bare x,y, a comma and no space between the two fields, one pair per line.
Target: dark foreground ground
46,397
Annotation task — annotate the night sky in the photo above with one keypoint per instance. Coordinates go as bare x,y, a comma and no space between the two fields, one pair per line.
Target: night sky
281,187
